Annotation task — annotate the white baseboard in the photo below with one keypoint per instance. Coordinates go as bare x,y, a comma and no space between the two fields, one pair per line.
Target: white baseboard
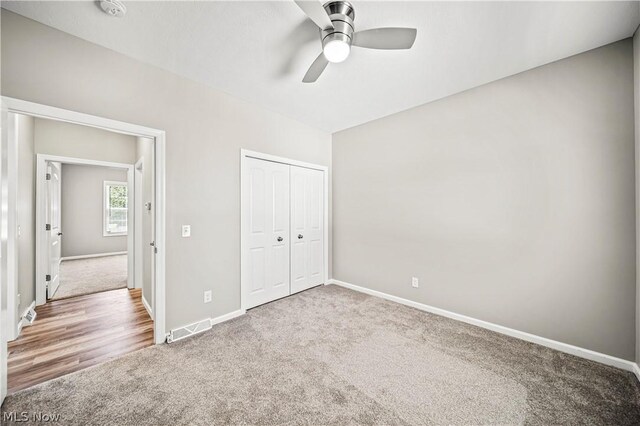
227,317
89,256
543,341
147,306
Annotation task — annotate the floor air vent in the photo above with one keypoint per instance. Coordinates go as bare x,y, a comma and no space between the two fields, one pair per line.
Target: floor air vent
188,330
29,316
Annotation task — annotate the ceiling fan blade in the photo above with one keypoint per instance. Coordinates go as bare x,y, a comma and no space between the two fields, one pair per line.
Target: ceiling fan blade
385,38
316,69
315,11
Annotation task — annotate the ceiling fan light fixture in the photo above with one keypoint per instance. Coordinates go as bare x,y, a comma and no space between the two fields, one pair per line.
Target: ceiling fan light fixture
336,47
337,33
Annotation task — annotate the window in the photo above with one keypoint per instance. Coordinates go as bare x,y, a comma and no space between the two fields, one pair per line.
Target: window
115,208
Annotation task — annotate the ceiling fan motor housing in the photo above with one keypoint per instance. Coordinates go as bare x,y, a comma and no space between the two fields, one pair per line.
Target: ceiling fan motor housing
342,15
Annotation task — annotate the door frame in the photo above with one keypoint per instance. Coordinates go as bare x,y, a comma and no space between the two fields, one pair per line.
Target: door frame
12,105
42,245
137,223
138,240
10,225
244,154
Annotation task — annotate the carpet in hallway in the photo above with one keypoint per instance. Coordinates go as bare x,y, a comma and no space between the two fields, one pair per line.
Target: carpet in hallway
92,275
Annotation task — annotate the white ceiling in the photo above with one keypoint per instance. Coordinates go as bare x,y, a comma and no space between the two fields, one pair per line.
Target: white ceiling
259,51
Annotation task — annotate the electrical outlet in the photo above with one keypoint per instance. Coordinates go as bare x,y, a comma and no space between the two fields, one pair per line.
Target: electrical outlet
415,283
207,296
18,301
186,231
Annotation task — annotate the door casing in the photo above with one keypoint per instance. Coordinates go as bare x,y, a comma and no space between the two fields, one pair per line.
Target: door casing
244,154
137,222
140,210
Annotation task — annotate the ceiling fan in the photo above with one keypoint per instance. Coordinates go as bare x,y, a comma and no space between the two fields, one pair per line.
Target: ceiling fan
335,20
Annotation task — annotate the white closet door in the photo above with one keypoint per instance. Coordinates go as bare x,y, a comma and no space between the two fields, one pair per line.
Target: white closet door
266,221
307,223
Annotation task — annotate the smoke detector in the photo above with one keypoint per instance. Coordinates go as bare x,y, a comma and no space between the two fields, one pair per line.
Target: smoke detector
113,8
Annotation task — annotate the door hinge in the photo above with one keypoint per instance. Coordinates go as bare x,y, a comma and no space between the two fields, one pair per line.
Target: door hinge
47,277
47,227
48,176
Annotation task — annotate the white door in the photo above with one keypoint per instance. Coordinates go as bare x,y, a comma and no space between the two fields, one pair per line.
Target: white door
307,228
54,228
266,232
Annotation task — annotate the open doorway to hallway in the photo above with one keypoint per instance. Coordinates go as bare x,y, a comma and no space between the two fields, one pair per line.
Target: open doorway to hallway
81,280
90,203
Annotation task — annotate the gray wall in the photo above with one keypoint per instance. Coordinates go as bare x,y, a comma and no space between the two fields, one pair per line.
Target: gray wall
144,151
71,140
205,131
512,202
82,210
82,222
26,213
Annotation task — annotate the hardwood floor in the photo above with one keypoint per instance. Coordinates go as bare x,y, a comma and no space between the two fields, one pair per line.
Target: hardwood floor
71,334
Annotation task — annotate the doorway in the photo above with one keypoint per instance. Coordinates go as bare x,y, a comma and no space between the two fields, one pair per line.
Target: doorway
83,220
51,241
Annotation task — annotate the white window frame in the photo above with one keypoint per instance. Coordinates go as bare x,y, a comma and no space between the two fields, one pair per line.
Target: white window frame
105,207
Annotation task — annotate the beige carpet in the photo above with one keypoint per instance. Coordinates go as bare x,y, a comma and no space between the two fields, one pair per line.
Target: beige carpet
86,276
333,356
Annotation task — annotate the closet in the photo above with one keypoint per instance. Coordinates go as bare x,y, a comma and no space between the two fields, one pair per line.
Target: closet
283,247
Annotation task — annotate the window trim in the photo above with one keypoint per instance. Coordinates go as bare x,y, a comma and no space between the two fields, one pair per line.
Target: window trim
105,204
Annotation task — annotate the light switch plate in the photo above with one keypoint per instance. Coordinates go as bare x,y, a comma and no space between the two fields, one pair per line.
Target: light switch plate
186,231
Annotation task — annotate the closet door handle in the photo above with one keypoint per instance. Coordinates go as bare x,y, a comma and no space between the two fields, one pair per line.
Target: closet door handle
279,238
300,236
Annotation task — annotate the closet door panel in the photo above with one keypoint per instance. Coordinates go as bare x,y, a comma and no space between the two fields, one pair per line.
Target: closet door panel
279,277
307,228
315,231
266,208
298,226
257,263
